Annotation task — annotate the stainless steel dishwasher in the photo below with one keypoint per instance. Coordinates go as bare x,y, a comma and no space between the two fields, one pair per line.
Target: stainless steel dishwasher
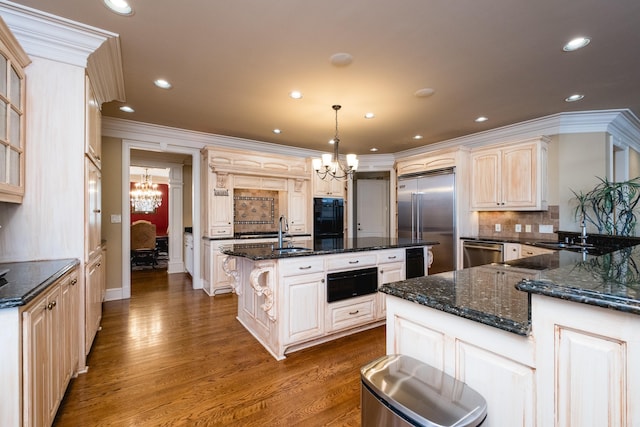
478,252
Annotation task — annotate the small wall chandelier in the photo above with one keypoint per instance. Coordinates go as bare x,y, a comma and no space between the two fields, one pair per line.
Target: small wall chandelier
145,197
330,166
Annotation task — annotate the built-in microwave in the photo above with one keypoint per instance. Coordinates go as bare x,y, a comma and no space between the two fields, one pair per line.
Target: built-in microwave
352,283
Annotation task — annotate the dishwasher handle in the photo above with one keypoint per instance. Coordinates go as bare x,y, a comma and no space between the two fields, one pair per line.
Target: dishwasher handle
487,247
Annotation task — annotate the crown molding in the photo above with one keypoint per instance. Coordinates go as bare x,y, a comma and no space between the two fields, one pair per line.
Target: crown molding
52,37
167,136
622,124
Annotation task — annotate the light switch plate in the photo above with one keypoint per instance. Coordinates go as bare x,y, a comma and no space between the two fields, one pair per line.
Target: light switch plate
527,228
116,218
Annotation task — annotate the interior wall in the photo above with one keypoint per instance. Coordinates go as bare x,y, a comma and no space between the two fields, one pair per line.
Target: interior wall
582,159
111,205
634,164
187,196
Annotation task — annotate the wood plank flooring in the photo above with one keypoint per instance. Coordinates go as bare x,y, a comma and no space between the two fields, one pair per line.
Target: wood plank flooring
173,356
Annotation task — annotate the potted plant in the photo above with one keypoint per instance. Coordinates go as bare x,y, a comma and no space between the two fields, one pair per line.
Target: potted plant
610,206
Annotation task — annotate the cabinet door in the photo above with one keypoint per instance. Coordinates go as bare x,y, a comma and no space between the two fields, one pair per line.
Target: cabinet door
298,207
390,272
304,302
93,300
511,251
94,209
221,214
36,364
328,188
485,180
93,144
519,171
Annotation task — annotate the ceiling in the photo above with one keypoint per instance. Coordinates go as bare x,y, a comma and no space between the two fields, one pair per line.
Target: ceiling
233,64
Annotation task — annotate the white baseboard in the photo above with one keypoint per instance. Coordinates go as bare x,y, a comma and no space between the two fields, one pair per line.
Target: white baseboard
113,294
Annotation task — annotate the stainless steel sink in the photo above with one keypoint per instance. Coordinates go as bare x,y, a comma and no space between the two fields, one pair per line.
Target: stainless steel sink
292,250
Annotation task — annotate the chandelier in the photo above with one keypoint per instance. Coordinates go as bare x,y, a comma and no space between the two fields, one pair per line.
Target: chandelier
330,166
145,197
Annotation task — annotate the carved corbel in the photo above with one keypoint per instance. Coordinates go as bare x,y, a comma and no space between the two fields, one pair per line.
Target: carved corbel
221,178
429,258
261,280
297,185
233,274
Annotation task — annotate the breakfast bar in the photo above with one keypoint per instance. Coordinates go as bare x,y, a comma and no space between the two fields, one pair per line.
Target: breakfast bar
557,333
296,297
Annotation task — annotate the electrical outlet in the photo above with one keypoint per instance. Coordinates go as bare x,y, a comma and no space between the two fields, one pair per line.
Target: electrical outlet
498,228
546,228
527,228
518,228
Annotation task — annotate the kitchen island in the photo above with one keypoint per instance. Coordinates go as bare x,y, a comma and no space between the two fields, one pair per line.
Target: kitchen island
547,340
297,298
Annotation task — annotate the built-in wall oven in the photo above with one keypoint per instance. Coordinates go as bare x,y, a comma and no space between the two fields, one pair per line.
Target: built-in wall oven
352,283
477,252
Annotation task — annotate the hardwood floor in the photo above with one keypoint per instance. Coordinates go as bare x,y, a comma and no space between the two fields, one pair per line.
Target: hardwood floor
174,356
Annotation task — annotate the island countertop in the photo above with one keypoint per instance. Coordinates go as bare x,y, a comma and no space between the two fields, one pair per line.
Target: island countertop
262,251
23,281
497,295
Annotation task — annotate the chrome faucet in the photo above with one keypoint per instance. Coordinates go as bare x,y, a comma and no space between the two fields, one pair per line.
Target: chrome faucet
583,235
283,228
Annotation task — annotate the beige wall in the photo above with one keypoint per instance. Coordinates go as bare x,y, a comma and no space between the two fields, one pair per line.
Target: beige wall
187,196
581,161
634,164
112,205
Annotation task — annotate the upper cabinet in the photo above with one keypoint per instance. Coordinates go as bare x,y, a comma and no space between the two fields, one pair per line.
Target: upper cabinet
328,188
93,144
510,176
12,116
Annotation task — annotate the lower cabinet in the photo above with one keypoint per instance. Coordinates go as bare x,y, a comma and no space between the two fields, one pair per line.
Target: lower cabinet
50,349
351,312
215,280
497,364
95,273
304,300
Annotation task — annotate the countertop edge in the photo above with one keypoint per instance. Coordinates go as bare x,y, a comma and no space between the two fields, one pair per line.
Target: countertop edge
41,287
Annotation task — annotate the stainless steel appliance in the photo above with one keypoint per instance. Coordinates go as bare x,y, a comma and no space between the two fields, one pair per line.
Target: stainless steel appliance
328,223
476,252
426,211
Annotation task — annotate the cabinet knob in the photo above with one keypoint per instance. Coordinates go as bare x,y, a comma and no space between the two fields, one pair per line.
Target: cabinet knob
381,271
73,282
51,305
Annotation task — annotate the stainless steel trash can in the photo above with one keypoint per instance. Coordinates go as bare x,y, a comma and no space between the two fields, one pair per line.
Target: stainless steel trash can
400,391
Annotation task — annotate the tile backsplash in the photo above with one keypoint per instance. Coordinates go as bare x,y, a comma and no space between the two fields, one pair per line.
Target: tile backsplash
255,211
548,219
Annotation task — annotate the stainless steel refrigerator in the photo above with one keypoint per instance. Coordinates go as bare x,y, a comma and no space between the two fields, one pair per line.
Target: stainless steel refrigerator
426,211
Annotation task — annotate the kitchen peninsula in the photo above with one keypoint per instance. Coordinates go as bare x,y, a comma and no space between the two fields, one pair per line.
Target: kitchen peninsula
558,334
296,298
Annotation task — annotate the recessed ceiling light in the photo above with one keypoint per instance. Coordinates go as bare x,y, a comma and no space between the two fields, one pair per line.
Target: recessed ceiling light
416,137
121,7
575,44
374,149
424,92
481,119
162,83
369,116
127,109
341,59
295,94
277,131
575,97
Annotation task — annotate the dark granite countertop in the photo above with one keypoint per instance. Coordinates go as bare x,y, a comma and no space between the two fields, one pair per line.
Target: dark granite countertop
23,281
261,251
497,295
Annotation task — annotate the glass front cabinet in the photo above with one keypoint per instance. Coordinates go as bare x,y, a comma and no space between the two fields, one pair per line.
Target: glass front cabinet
12,116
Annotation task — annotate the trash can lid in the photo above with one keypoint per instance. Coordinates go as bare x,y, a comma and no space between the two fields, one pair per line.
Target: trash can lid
422,393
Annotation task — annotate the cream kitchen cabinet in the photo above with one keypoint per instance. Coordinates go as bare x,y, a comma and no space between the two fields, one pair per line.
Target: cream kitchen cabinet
528,250
328,188
215,280
50,356
188,253
304,300
391,268
510,177
299,203
12,116
94,292
217,199
350,312
93,137
494,363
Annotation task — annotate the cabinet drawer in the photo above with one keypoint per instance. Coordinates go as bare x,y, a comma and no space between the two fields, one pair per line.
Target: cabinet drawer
221,231
527,251
343,262
393,255
304,265
354,312
297,229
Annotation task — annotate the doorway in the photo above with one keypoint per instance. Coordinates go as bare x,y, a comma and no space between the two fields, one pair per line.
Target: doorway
371,209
